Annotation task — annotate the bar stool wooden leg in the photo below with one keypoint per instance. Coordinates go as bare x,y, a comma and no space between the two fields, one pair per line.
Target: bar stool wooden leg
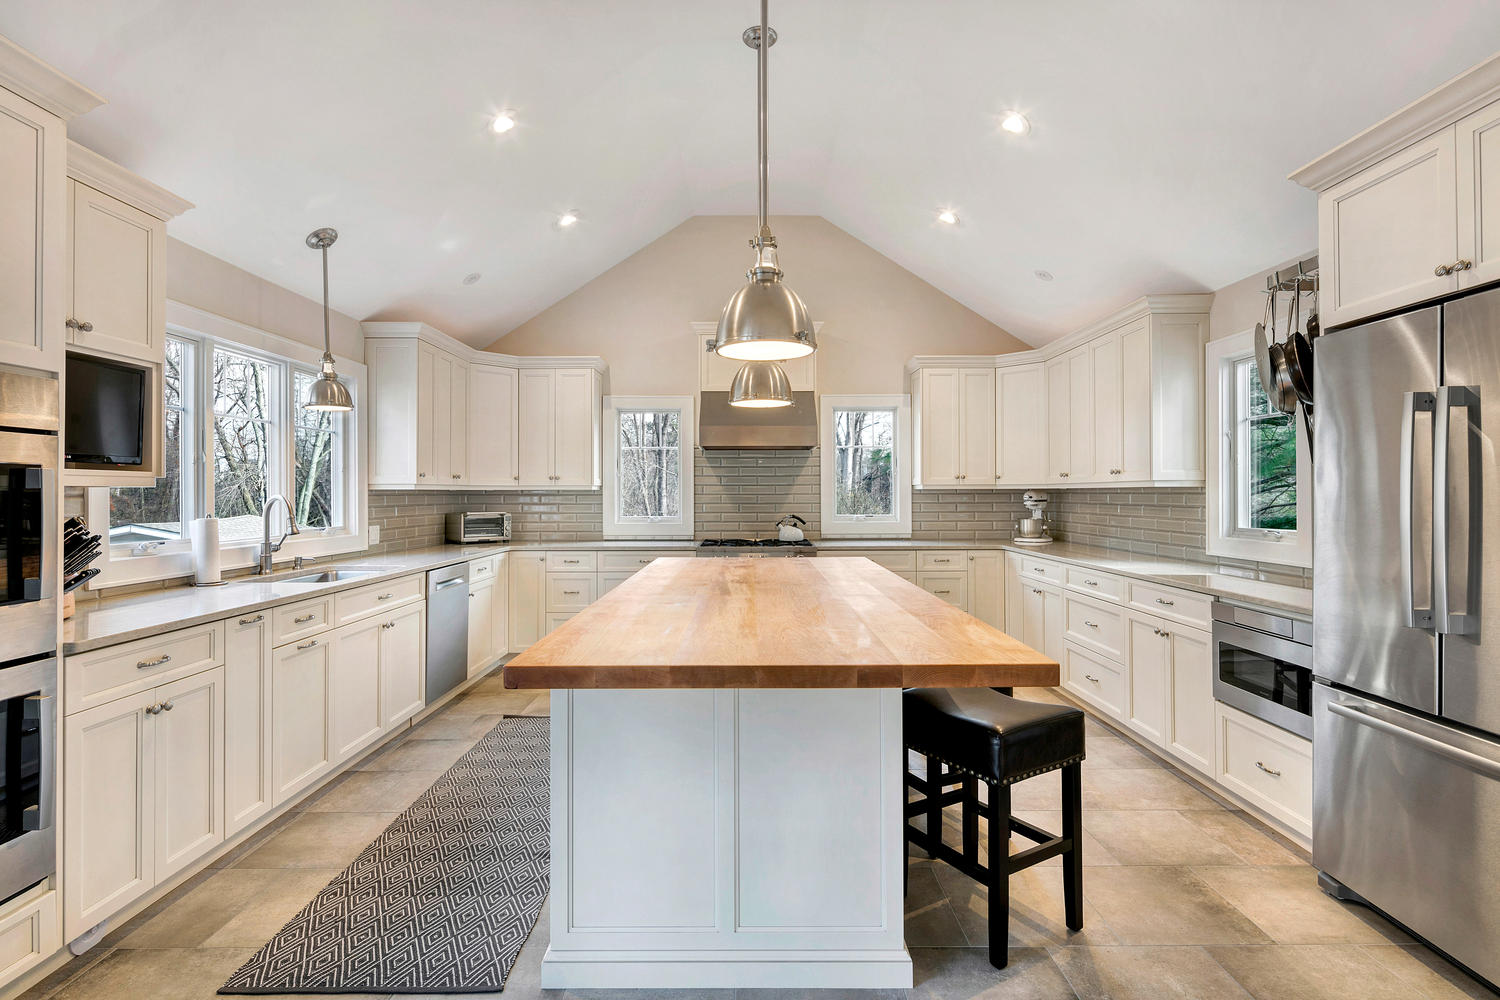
934,805
971,819
1072,805
998,815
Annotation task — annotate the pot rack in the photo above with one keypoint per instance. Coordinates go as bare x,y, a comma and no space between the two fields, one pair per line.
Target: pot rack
1300,277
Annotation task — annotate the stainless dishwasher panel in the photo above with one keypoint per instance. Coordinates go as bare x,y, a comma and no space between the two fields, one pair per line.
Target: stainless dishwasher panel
447,629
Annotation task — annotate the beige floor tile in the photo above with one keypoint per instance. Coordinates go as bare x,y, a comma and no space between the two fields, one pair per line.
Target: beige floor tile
1140,788
490,702
319,840
1036,909
1166,906
1312,972
1107,752
158,974
193,917
375,791
1042,792
1094,850
1244,836
456,727
1161,973
1287,904
282,895
1155,837
966,974
419,755
1428,973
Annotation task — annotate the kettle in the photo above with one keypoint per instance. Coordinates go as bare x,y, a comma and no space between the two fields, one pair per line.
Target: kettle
789,528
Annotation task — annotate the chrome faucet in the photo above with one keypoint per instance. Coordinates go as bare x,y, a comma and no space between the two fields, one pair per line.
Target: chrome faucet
267,550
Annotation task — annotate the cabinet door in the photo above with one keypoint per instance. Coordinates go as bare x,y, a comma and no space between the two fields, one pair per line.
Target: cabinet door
1021,434
248,791
1192,697
1105,370
574,462
458,421
977,465
354,719
403,664
1147,652
1081,403
500,605
1059,421
119,282
528,586
987,587
534,427
1477,148
33,234
942,419
1382,232
1052,623
299,718
481,626
1136,431
427,373
189,762
439,410
492,426
109,828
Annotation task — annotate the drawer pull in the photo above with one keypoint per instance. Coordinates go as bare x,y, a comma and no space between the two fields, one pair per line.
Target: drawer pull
1164,602
1092,583
1091,677
1090,624
1269,770
941,593
308,645
303,619
252,621
644,562
385,597
942,560
570,593
148,664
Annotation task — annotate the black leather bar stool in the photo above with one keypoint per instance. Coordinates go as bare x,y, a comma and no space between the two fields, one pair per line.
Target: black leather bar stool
969,735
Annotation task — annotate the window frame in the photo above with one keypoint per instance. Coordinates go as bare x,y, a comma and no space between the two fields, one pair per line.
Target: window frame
122,564
896,525
1225,492
678,528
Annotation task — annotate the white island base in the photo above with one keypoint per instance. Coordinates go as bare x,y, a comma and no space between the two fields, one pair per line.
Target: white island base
722,838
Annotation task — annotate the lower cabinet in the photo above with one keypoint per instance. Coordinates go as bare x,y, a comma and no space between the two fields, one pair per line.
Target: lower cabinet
987,586
354,717
249,790
403,665
951,585
481,624
1265,765
1171,689
28,932
1038,620
302,750
528,598
1094,678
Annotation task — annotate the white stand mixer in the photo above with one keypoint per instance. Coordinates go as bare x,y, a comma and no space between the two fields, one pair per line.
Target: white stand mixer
1033,530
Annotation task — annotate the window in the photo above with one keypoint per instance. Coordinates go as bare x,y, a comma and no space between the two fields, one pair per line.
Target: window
317,459
243,435
648,463
866,488
158,513
1255,508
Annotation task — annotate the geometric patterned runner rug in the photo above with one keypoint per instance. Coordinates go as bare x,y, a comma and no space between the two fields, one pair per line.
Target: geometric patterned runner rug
443,900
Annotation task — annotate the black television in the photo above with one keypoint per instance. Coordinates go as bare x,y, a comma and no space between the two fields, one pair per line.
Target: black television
106,413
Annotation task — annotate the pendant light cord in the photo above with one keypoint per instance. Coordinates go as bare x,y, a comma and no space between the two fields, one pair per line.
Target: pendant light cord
760,63
327,344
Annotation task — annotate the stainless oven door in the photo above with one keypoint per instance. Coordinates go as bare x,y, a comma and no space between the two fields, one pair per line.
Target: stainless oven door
1264,675
28,545
28,778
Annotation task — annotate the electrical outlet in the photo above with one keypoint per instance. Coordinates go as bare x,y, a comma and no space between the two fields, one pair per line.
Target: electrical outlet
374,534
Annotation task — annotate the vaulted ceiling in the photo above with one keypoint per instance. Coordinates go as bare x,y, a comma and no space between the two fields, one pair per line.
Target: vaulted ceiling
1161,136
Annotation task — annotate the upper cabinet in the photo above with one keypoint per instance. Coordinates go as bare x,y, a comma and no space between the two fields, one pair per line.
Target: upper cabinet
1409,209
956,443
444,416
1021,404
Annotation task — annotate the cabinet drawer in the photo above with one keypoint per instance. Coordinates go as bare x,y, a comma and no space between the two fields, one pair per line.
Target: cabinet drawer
1097,626
940,561
291,622
353,604
1267,766
1168,602
619,562
1094,583
1094,679
572,562
896,562
1041,569
951,587
555,619
484,569
103,675
571,591
609,581
29,932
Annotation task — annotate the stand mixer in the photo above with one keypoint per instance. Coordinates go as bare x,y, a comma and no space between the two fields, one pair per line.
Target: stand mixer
1033,530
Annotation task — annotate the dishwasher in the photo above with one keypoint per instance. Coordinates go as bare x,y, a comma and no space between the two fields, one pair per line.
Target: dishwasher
447,629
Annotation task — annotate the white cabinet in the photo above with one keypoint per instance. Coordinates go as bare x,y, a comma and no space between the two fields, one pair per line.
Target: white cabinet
1041,619
248,791
354,717
952,586
559,428
419,414
403,664
956,439
1021,431
1265,765
1171,701
29,932
1477,148
492,426
118,279
1070,416
987,587
1106,364
33,234
442,418
1149,654
482,647
528,605
189,761
302,750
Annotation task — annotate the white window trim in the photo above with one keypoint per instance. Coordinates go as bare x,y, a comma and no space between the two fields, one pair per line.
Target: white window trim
678,528
846,526
118,566
1291,548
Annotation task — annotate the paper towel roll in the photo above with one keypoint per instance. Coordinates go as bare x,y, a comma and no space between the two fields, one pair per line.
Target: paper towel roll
204,532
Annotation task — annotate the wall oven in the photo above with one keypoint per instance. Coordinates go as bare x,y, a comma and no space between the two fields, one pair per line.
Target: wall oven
28,751
29,542
1263,666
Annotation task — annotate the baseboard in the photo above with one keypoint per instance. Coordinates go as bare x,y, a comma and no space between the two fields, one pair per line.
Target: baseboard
860,970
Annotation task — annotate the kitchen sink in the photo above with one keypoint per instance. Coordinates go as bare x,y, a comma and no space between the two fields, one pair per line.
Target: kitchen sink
329,576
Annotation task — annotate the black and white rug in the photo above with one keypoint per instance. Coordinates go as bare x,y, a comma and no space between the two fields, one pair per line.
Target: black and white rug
443,900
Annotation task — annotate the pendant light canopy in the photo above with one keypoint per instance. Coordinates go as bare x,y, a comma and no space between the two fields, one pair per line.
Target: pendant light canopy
765,320
327,392
760,384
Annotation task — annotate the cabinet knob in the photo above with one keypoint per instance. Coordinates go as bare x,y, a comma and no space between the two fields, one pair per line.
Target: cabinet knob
153,709
457,476
517,478
84,327
421,475
166,706
1036,590
1443,270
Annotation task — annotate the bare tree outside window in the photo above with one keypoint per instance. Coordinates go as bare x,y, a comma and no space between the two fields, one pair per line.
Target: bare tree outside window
157,513
863,463
1266,457
242,435
315,448
649,465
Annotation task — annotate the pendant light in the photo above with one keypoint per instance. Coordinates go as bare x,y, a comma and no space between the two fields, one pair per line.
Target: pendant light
327,392
765,321
760,384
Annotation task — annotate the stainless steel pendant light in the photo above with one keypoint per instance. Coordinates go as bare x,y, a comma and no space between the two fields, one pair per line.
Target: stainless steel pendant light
765,321
760,384
327,392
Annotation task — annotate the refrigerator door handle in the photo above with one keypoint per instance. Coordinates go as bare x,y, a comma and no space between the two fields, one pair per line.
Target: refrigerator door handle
1445,619
1416,617
1428,736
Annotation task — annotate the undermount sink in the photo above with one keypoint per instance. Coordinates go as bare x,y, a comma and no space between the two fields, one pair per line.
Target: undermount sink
328,576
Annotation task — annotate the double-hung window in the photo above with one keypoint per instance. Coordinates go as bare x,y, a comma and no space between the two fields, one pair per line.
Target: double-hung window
648,466
866,488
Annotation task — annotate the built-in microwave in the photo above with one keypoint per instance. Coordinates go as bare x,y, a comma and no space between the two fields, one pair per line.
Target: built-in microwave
477,526
1263,666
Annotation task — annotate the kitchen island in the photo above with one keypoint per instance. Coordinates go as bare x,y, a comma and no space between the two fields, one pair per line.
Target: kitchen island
727,773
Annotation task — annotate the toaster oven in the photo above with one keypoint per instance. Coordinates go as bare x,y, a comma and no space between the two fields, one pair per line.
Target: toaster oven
478,526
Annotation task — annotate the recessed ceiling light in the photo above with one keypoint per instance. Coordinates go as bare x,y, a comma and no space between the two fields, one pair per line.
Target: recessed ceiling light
1014,122
948,217
567,219
471,277
502,123
1043,275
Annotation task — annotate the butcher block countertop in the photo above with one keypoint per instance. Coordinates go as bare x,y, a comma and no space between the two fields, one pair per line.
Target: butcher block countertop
828,622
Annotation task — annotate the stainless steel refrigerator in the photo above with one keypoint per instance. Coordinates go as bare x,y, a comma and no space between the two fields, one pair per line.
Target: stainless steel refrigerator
1406,622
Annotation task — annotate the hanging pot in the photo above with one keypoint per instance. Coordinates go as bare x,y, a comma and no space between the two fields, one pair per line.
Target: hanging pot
1279,389
1299,360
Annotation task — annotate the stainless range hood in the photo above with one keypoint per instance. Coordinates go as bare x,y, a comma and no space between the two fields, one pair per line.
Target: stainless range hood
721,426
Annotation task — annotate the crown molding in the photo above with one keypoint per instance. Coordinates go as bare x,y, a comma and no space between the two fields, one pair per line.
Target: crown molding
1433,111
87,167
416,330
26,75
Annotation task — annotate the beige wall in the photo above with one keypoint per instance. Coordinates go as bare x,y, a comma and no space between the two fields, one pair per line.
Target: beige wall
638,314
1238,307
202,280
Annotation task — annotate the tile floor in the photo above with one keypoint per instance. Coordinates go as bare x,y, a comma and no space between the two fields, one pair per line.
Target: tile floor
1183,898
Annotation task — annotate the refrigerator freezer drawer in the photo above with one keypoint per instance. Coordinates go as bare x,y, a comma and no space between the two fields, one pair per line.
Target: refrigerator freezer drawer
1406,813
